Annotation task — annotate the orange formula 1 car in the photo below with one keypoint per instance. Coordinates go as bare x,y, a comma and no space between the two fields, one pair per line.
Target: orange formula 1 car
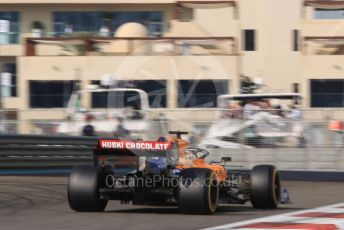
167,172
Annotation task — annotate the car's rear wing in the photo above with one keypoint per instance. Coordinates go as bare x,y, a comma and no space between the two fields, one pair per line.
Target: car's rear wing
167,150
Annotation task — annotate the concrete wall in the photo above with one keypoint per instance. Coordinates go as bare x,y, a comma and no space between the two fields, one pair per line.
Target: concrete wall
273,21
328,27
170,68
217,22
323,159
274,60
319,67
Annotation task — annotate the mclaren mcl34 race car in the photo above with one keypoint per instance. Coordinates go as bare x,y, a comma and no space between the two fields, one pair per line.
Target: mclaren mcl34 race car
167,172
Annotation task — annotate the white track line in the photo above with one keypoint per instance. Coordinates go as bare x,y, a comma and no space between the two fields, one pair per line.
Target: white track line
290,217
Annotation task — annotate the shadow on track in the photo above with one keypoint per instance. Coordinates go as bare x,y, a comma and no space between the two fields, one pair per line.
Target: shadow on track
233,210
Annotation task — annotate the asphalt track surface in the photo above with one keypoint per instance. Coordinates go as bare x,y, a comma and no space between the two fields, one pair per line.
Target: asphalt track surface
40,203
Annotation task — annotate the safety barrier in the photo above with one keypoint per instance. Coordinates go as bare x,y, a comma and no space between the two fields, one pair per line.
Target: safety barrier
308,159
35,150
47,140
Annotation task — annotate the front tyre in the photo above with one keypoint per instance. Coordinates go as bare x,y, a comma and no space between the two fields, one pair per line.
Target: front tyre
198,191
265,187
83,189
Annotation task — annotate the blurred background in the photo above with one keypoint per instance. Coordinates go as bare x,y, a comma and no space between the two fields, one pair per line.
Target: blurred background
143,67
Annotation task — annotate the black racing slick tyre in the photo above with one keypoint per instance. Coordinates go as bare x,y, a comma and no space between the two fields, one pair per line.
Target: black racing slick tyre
198,191
83,189
265,187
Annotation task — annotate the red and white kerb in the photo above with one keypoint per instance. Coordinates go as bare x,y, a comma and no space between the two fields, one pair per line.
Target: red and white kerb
135,145
323,218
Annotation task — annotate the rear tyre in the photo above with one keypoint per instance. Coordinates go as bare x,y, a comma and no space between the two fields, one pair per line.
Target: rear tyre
198,191
83,189
265,187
